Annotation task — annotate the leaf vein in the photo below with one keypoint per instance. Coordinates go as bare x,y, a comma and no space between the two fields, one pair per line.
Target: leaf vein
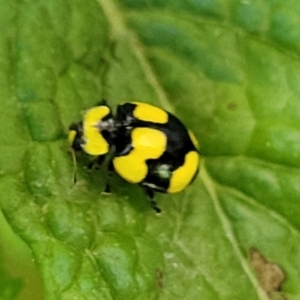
208,183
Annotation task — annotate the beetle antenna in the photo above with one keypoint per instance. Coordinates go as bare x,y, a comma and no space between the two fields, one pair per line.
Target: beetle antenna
74,165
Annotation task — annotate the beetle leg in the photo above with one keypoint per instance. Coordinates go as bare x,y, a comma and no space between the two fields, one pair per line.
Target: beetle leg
152,201
97,162
107,190
102,102
110,170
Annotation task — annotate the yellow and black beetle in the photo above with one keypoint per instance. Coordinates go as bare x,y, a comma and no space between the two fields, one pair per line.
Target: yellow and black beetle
149,146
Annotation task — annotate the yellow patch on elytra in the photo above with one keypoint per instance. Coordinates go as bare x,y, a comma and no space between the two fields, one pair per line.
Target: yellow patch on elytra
147,143
185,173
150,113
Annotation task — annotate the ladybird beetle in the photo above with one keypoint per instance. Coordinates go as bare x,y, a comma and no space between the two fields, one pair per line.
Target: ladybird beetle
150,146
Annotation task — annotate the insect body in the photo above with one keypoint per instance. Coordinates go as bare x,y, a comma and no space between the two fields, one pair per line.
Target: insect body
150,146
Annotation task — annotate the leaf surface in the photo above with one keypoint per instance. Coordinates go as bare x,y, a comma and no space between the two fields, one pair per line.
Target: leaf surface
229,70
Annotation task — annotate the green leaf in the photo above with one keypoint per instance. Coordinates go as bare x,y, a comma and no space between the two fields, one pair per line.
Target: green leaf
9,286
19,279
230,71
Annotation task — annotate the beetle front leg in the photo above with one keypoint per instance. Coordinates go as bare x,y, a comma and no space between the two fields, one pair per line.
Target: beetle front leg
97,162
110,170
